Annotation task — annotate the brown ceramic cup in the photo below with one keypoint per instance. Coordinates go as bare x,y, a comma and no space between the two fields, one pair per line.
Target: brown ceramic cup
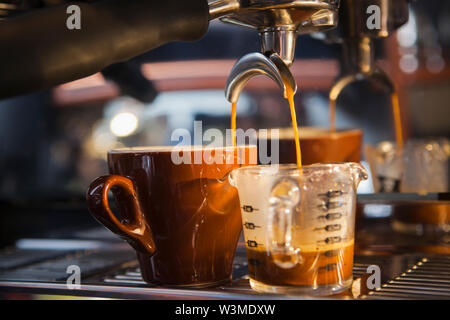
181,216
317,145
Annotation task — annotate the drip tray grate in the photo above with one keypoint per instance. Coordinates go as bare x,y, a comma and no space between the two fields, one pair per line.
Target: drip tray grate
131,277
427,279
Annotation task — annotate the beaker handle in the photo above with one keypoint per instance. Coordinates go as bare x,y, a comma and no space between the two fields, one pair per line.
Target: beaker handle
284,199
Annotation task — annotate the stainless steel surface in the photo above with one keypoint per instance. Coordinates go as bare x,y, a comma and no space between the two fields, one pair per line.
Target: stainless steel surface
356,38
353,16
218,8
255,64
428,279
359,55
266,14
278,22
406,277
280,40
127,281
375,74
412,267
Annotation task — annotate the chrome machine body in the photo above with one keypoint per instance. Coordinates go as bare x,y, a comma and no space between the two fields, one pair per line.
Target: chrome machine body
357,39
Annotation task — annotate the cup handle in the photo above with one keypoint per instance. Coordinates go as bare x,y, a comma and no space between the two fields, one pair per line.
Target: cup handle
135,230
284,198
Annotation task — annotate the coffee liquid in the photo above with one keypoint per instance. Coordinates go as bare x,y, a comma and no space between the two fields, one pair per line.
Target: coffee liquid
332,115
233,123
290,97
397,120
315,268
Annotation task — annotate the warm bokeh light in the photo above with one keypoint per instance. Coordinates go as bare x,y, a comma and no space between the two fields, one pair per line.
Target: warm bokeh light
124,124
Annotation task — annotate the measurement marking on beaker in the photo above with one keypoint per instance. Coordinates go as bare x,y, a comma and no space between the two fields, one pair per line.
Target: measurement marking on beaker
252,244
327,205
330,228
333,227
249,208
250,226
332,194
331,216
331,240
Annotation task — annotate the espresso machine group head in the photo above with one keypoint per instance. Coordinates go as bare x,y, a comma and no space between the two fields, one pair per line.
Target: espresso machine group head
56,54
115,31
278,24
356,36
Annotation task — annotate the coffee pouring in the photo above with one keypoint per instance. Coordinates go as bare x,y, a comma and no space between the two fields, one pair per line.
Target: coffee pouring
193,219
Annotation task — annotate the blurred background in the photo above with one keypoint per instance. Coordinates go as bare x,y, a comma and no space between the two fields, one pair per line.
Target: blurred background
54,142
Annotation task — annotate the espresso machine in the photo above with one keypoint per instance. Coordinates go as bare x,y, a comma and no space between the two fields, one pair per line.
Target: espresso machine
278,24
61,54
357,40
357,62
114,31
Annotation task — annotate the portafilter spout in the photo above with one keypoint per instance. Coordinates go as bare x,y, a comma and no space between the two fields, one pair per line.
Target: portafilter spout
376,74
357,40
254,64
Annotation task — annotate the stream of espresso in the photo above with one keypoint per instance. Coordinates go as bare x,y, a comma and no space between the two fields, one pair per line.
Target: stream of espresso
233,123
290,98
397,121
332,115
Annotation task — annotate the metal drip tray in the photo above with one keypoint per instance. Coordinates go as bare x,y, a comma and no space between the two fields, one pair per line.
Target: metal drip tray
427,279
114,273
412,267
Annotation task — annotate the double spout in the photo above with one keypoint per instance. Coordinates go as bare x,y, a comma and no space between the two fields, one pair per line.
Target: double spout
254,64
359,65
357,40
278,24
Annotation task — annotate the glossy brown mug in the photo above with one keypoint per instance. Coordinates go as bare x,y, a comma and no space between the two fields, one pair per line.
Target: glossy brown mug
317,145
181,216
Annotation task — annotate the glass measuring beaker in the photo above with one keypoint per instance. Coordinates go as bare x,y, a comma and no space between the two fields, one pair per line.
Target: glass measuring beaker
299,225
